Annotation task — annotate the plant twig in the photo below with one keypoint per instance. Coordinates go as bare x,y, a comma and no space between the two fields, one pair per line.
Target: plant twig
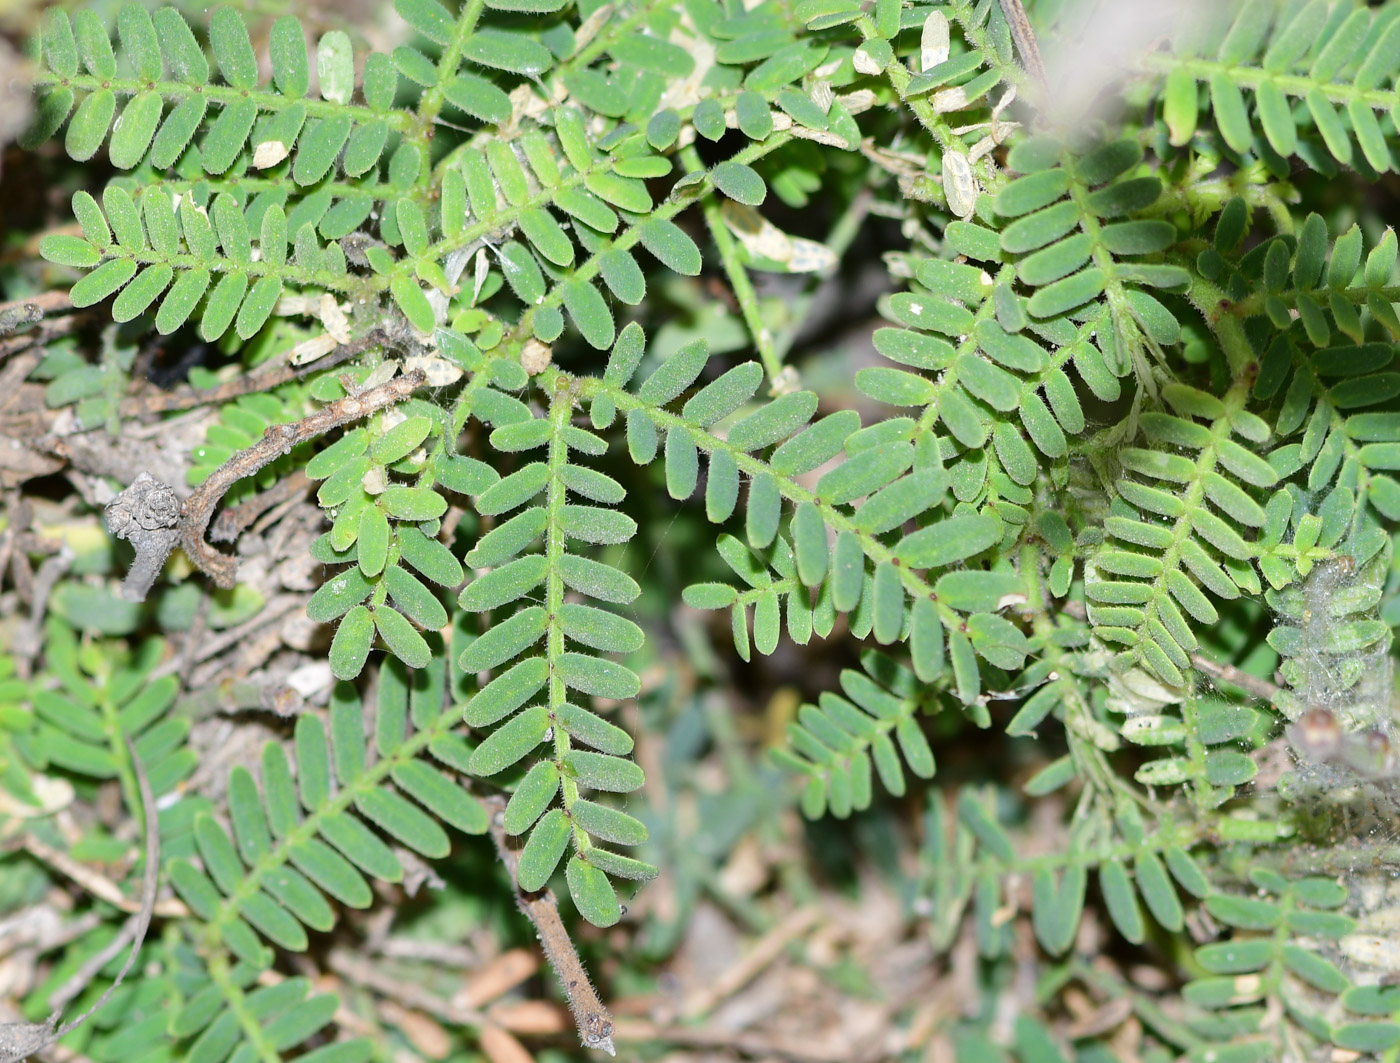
146,514
750,1044
1229,673
19,1040
738,276
768,949
277,440
1024,38
366,973
185,661
101,887
19,314
595,1025
88,971
28,638
234,521
247,384
52,312
37,927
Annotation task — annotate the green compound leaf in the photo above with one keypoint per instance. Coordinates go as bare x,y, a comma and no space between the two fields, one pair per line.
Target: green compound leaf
604,772
134,130
1118,393
103,281
410,299
532,796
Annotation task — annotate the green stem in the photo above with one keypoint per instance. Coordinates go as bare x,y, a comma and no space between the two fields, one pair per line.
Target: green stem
126,775
1166,836
1124,325
432,100
1297,85
560,412
290,273
738,275
1210,301
1253,305
1193,498
1079,718
225,94
478,141
1202,793
1207,198
219,972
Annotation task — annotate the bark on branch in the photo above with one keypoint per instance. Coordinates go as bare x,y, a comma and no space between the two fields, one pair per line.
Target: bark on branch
591,1017
148,515
276,441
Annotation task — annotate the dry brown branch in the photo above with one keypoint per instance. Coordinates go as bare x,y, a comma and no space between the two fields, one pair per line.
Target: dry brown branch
499,977
41,928
442,953
13,375
276,441
531,1017
45,332
501,1046
1250,684
147,514
234,521
750,1044
80,978
540,1018
16,313
768,949
97,884
53,568
184,662
595,1025
370,975
1024,38
144,405
52,312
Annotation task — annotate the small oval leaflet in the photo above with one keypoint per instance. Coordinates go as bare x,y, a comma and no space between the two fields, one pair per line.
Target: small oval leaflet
959,185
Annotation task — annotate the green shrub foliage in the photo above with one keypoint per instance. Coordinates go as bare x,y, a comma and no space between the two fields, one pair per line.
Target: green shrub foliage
1119,478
